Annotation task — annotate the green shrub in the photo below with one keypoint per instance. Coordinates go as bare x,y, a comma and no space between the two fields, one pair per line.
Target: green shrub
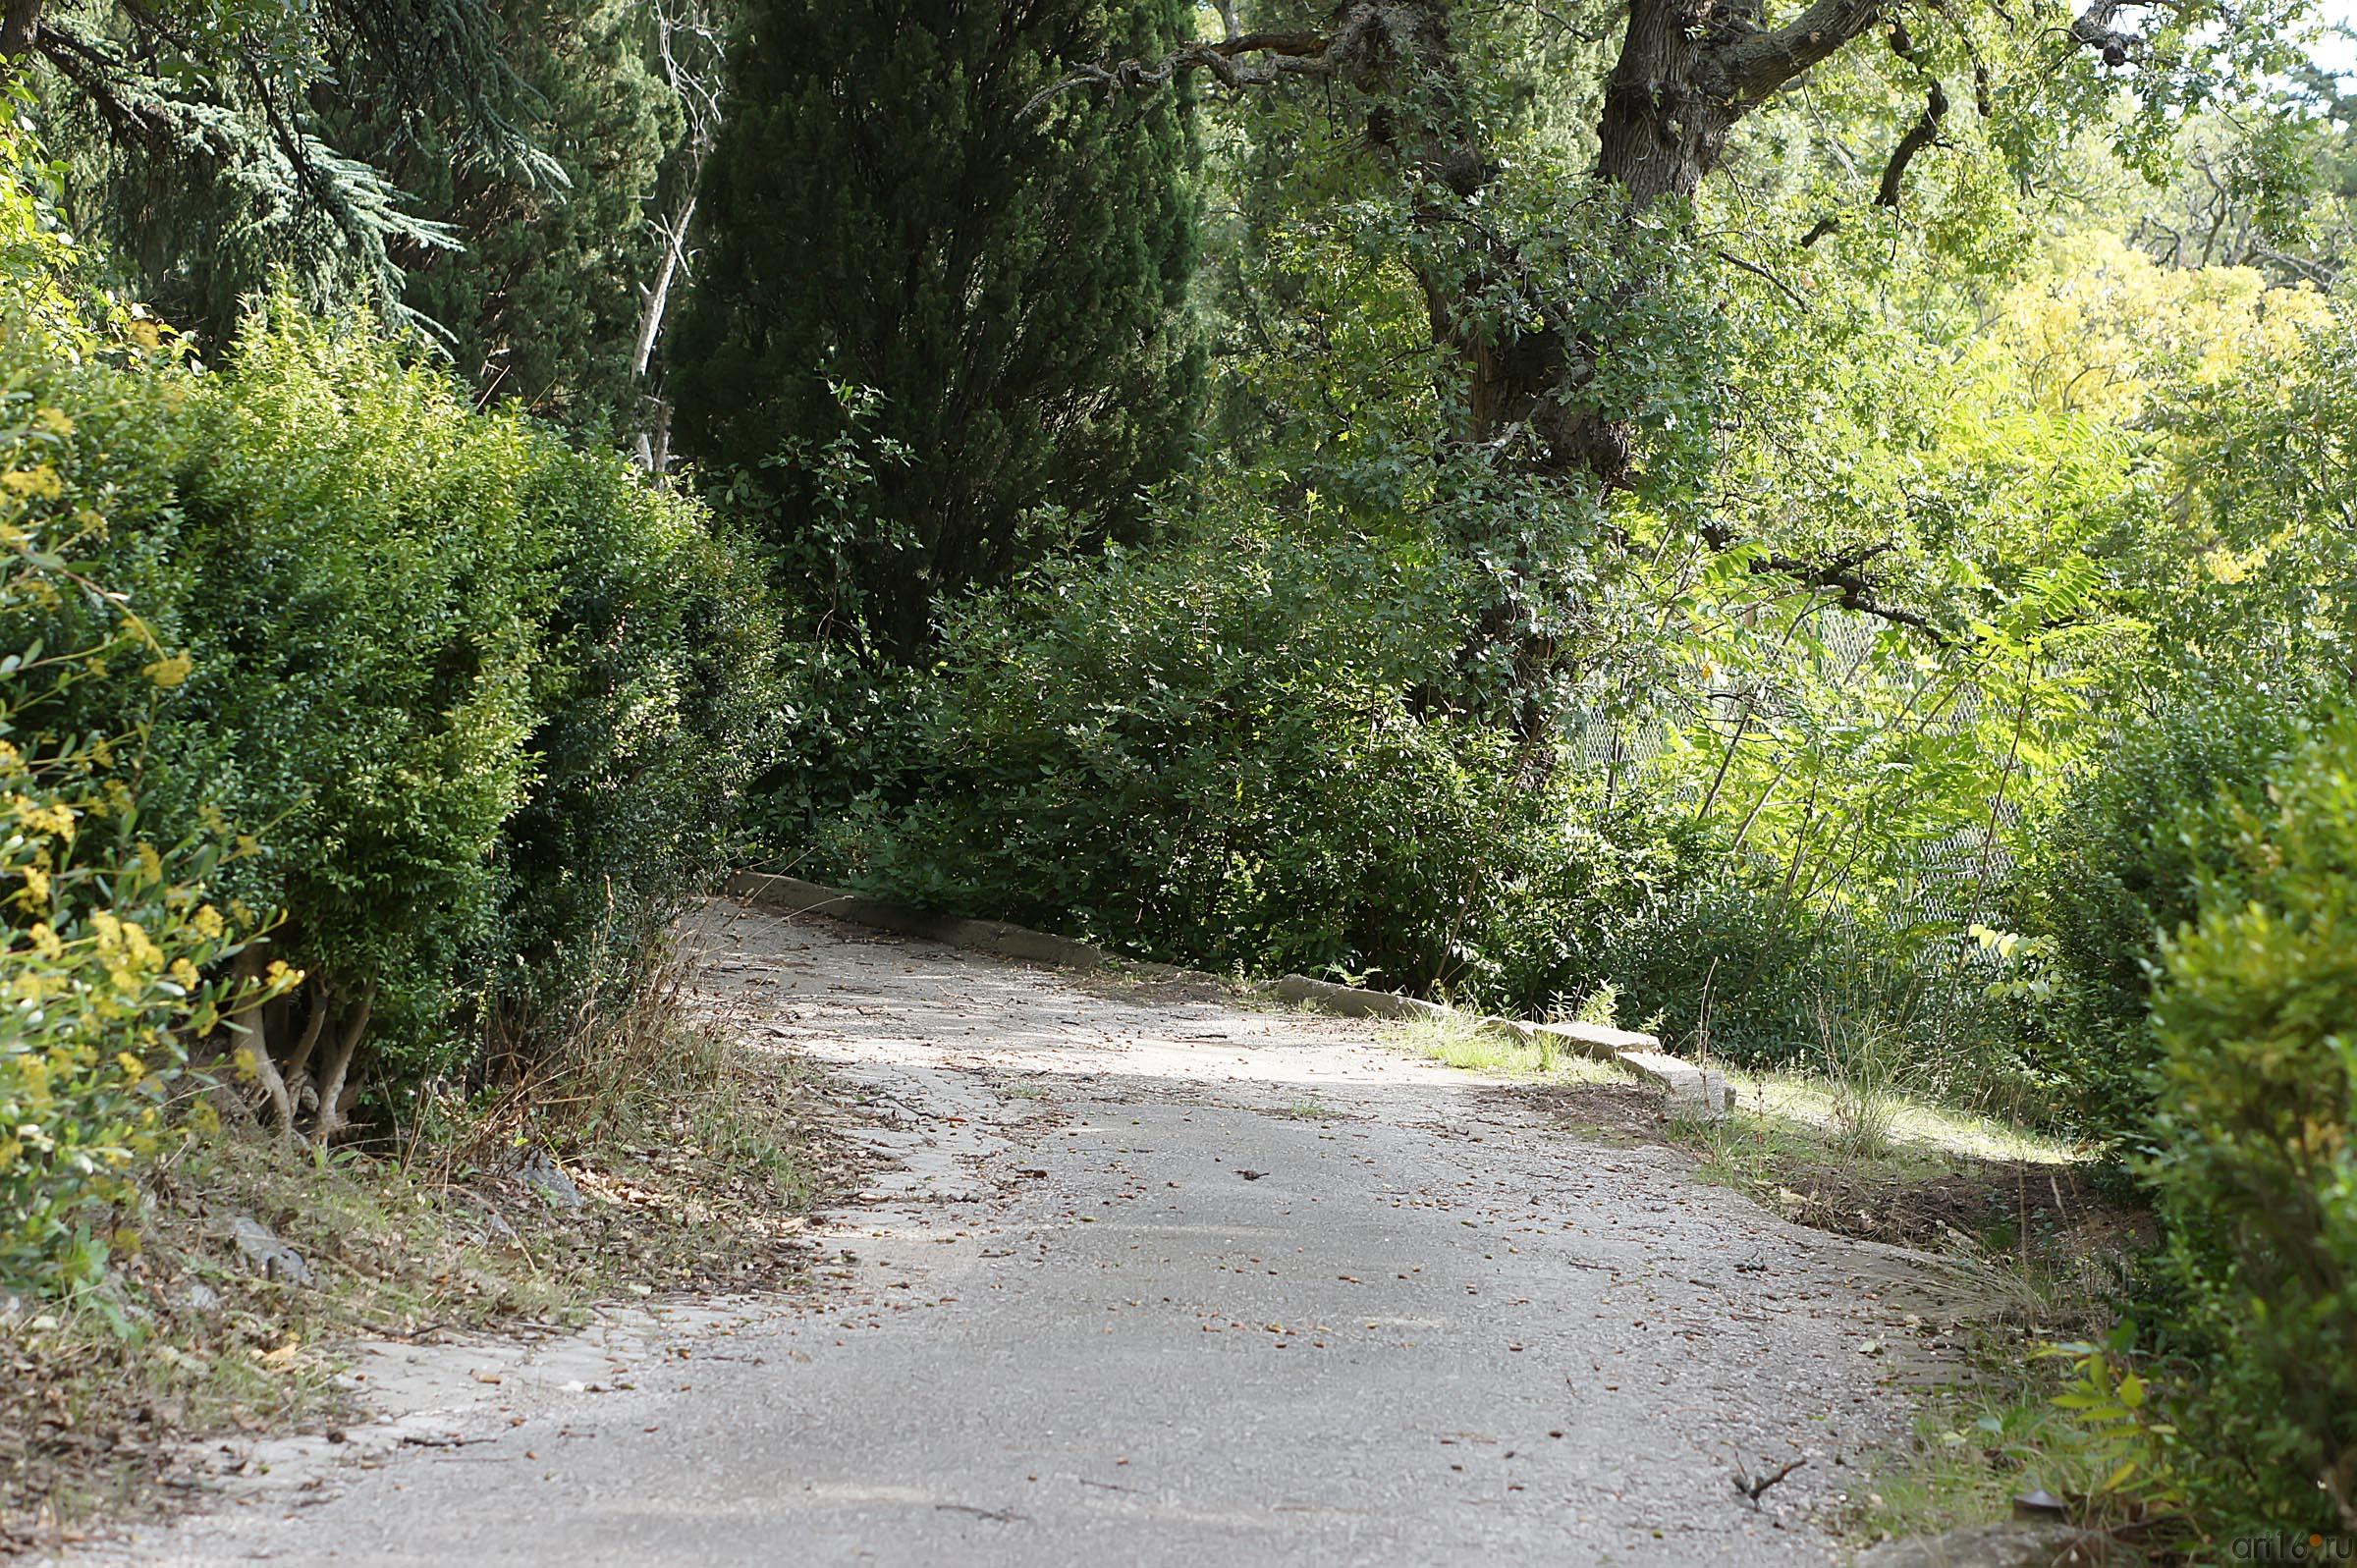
114,950
355,578
1726,968
2256,1164
1732,966
654,680
496,698
2115,870
1215,754
482,704
862,732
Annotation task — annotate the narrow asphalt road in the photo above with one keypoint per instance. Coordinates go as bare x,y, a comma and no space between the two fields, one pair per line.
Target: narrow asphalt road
1152,1278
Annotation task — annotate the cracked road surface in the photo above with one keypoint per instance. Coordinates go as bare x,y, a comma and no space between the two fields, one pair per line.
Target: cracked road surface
1148,1277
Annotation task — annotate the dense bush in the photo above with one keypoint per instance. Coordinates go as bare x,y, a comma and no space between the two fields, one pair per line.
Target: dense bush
459,710
2116,869
114,947
1213,754
494,697
2256,1137
655,688
1729,967
354,577
861,731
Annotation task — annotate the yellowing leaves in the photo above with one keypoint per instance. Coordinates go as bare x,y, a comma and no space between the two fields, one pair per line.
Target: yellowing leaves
170,670
2108,326
51,817
39,483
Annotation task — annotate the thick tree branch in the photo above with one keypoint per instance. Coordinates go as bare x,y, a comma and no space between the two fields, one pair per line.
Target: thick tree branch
1245,59
2093,30
107,85
1851,590
1754,65
1844,576
1921,135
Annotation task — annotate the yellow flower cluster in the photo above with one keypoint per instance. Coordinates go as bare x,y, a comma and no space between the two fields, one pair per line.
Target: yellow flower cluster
53,817
39,482
170,670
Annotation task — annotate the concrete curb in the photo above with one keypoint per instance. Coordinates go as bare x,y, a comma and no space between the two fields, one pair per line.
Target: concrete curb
1353,1002
1699,1093
1690,1091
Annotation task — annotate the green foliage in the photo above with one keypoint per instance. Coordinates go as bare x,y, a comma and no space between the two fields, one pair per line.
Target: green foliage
2118,1423
2115,870
858,720
657,693
201,157
517,738
861,743
114,950
1212,754
2255,1160
2259,573
539,299
362,668
454,711
882,212
482,704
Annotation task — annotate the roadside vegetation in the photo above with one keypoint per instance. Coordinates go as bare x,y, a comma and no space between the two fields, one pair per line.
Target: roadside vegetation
359,745
1824,535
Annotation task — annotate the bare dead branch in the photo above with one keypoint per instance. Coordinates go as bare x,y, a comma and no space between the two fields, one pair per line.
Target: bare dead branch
1753,1490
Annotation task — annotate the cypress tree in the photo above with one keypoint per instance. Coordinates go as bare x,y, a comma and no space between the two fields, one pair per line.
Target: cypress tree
882,212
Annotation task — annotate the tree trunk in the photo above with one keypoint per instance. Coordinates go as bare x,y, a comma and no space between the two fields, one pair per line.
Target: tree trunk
654,438
1659,133
19,25
328,1118
298,1061
1662,129
1687,71
253,1044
